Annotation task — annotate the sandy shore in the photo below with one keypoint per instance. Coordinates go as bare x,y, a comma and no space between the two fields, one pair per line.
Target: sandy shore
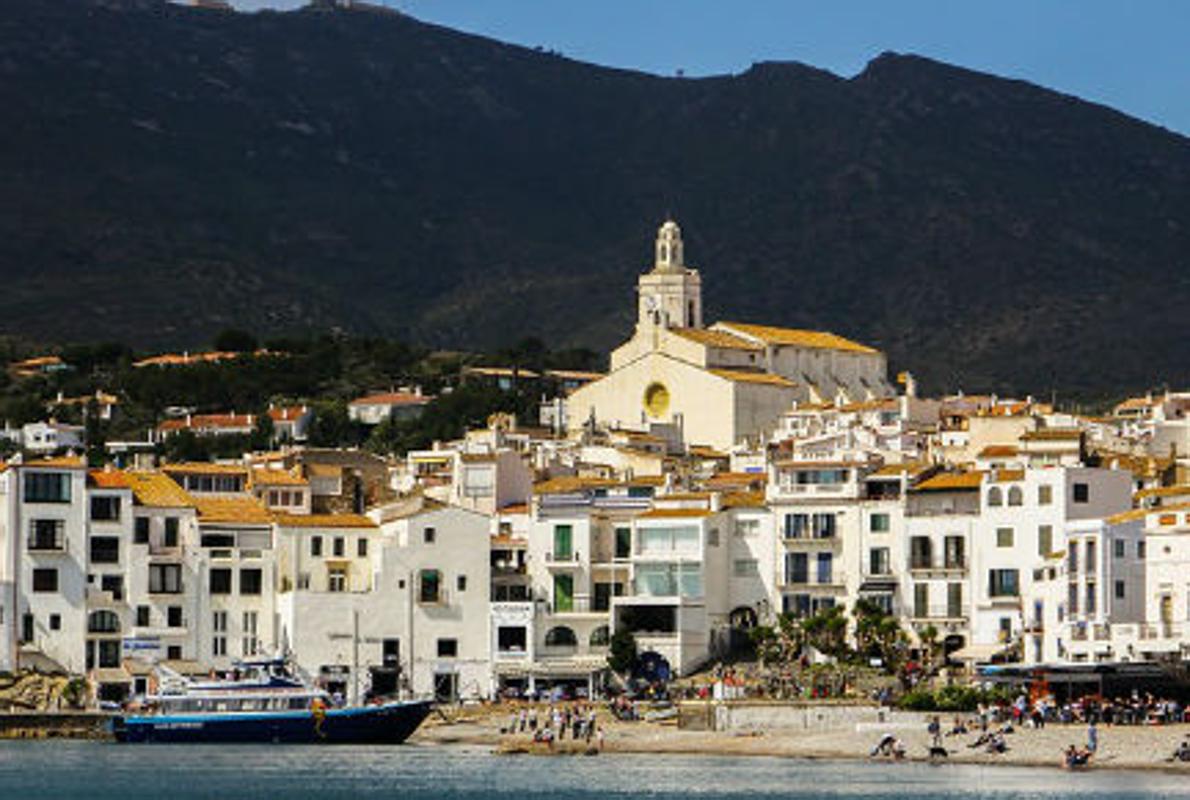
1123,747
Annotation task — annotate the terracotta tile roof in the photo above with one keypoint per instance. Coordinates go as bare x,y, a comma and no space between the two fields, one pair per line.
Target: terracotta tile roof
766,378
870,405
796,338
1052,435
1007,475
951,481
99,397
515,509
997,451
1136,404
713,338
1130,516
187,359
287,413
207,421
500,372
645,480
911,468
702,451
324,470
1141,466
736,479
675,513
158,490
276,477
37,362
324,521
392,399
569,484
743,500
108,479
1166,515
574,375
204,468
243,508
1163,491
58,462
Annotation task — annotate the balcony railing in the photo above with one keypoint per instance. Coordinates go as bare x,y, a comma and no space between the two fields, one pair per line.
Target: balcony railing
926,562
942,612
806,537
831,581
47,543
815,488
578,605
507,570
562,558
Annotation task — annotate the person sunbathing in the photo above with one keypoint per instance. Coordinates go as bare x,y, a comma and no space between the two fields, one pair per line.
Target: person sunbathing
1075,758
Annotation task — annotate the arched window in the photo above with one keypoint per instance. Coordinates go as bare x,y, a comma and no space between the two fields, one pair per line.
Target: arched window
103,622
1015,496
560,636
995,497
600,636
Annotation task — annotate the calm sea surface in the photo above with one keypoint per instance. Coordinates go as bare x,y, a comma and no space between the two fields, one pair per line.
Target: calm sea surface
98,770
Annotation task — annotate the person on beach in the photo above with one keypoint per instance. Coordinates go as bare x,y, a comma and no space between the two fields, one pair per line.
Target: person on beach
884,747
1074,758
935,731
1092,736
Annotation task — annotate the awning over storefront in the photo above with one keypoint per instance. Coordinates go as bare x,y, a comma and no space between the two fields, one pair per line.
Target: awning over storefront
977,653
34,659
184,666
111,675
560,668
138,668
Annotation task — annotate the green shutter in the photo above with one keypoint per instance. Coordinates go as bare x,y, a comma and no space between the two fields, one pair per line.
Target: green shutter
562,542
563,593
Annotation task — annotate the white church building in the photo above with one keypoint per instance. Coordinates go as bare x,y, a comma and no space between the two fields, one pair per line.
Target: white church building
717,385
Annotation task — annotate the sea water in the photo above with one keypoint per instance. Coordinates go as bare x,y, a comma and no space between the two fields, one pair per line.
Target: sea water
97,771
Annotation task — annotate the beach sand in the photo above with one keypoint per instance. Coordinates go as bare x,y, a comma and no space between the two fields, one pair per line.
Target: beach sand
1120,747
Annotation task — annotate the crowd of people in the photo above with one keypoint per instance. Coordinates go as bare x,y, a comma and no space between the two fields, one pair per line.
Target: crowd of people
555,722
993,724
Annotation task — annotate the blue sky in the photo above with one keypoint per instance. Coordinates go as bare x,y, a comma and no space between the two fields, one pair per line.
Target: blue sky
1131,55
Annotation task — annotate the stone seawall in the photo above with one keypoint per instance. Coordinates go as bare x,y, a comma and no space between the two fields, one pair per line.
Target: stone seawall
79,725
744,716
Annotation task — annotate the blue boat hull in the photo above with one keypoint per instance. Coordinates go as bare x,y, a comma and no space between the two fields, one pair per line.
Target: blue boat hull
391,723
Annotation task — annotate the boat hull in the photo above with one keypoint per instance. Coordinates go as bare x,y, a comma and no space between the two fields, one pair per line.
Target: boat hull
390,723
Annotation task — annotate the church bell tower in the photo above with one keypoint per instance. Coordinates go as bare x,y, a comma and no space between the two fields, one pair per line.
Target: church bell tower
670,295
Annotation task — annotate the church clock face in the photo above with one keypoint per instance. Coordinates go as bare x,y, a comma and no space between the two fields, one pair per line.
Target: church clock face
656,399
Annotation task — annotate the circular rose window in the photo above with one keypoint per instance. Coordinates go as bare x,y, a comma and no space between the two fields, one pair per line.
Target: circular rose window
656,399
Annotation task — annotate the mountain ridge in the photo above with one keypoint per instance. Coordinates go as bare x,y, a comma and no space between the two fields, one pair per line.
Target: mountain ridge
186,170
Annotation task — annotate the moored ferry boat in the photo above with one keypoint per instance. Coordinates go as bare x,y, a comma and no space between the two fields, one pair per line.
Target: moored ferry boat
265,702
